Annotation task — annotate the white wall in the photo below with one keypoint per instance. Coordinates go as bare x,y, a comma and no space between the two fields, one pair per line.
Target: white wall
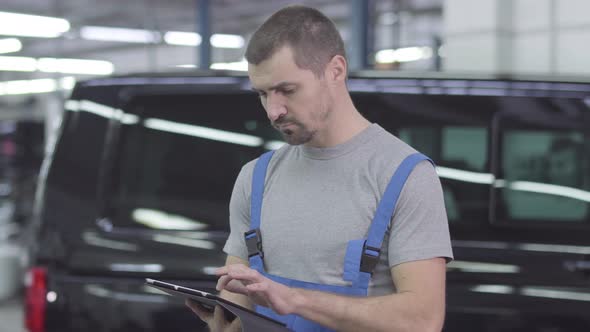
520,36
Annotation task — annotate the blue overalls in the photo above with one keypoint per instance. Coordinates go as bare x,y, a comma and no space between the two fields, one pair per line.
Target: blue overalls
361,257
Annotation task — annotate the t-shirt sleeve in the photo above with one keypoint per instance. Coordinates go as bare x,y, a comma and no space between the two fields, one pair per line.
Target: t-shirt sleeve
239,214
419,228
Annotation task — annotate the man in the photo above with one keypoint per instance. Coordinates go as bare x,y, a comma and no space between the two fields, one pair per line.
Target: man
314,240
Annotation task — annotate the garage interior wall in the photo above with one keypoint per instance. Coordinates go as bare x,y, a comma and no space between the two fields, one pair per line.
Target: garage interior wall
517,36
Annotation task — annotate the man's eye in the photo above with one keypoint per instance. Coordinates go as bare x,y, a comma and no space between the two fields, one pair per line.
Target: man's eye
288,92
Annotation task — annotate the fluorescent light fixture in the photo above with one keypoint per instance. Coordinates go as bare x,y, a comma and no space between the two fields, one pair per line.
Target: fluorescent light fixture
162,220
119,35
495,289
204,132
28,86
10,45
227,41
194,39
52,65
182,38
405,54
274,145
14,24
238,66
465,176
75,66
18,63
480,267
44,85
186,66
551,189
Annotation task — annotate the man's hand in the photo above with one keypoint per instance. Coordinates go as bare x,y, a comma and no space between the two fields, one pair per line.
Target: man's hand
216,320
238,278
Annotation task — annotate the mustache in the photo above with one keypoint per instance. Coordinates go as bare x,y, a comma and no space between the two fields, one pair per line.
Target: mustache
282,121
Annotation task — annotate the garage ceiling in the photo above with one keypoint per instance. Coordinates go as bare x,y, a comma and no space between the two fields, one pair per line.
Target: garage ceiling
227,16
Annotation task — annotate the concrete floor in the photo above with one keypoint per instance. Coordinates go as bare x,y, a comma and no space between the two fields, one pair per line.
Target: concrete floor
11,315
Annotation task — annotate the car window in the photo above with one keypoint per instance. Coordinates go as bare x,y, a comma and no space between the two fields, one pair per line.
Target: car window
461,165
179,158
546,175
543,172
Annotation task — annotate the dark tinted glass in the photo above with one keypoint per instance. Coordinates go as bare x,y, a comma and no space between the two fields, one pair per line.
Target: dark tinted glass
180,157
544,164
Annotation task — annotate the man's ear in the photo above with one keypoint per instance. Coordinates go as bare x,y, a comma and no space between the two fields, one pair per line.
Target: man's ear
337,68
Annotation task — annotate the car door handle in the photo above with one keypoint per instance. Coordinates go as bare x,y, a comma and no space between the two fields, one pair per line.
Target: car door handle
578,266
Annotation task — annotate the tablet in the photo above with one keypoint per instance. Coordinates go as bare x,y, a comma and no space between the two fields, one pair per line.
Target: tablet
209,301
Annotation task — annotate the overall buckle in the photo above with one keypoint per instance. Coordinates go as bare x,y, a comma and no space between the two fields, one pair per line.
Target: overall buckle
254,242
369,258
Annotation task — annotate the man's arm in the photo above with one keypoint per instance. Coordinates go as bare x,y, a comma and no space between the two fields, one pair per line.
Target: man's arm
418,304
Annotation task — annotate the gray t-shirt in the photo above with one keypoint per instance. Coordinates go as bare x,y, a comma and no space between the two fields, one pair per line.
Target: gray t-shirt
317,199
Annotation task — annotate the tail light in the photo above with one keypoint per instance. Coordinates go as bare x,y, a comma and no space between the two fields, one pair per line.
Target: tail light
36,283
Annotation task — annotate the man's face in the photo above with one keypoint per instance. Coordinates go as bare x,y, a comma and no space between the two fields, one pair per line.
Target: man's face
296,102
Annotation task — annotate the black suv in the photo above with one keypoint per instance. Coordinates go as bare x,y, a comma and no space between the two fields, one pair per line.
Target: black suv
139,180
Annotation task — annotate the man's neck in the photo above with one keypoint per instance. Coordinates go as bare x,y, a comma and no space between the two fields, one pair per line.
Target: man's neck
346,123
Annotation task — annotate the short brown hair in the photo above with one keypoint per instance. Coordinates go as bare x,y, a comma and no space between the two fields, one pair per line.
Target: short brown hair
312,36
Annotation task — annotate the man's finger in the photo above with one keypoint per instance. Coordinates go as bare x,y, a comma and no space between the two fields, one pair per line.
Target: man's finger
222,282
235,326
236,286
204,314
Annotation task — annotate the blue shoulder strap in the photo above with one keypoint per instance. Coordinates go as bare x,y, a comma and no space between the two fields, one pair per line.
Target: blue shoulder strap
253,236
385,210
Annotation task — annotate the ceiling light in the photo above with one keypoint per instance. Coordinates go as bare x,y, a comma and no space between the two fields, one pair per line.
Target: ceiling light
238,66
405,54
13,24
227,41
10,45
119,35
194,39
17,63
29,86
75,66
182,38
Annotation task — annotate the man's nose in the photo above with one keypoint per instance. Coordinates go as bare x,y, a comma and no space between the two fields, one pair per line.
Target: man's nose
275,107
